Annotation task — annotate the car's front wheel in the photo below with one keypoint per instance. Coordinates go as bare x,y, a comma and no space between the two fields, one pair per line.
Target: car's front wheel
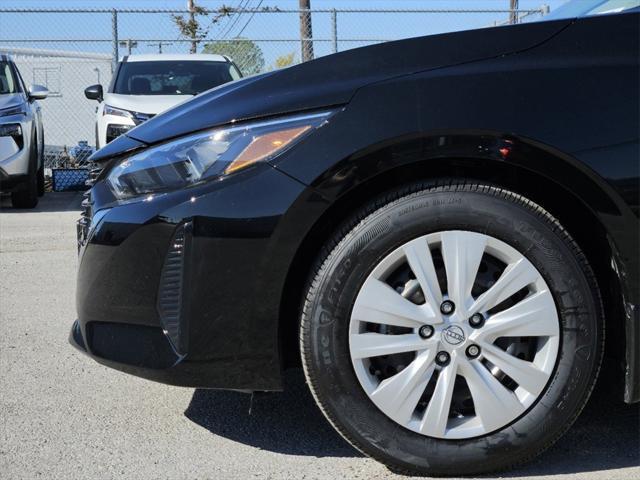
452,329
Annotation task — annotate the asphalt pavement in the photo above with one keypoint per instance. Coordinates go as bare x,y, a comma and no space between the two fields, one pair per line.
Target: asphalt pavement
63,416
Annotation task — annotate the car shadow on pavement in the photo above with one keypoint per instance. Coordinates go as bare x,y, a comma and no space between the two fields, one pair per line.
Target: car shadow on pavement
51,202
605,437
286,422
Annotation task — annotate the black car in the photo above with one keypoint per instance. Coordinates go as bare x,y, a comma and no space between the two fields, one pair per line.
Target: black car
439,229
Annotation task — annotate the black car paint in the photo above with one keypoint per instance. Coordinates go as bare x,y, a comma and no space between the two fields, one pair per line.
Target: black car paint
555,102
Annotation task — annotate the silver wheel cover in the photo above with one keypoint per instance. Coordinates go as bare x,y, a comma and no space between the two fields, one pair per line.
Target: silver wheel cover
531,315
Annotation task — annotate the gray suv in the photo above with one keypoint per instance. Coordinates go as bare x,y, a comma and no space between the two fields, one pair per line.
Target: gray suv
21,137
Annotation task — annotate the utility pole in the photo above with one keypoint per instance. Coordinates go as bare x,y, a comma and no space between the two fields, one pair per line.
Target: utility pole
129,44
192,22
513,14
306,35
159,44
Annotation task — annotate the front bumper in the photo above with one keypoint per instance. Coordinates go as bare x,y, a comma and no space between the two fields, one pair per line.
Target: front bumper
145,352
235,267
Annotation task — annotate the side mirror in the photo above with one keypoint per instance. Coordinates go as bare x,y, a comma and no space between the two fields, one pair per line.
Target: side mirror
37,92
94,92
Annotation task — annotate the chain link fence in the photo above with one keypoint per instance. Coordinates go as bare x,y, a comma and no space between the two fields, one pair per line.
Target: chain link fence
68,50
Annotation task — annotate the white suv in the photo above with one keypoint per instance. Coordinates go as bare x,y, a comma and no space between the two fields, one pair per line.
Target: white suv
21,137
145,85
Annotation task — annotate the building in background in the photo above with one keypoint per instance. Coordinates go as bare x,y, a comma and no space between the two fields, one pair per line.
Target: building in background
68,116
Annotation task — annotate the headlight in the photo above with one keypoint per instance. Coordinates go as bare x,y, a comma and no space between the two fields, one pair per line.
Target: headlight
10,130
19,110
221,151
118,112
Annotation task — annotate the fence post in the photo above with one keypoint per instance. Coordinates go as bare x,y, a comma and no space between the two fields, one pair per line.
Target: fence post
114,38
334,30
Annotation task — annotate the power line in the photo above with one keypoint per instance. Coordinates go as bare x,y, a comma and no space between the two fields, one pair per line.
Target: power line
229,19
250,18
235,21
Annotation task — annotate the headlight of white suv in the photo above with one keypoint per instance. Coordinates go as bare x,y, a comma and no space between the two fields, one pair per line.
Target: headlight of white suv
118,112
193,159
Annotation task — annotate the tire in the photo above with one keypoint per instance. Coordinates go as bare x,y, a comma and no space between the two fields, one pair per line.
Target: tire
40,174
27,195
40,181
341,324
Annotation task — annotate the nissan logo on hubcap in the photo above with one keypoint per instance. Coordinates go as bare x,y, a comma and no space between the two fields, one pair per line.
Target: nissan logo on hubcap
453,335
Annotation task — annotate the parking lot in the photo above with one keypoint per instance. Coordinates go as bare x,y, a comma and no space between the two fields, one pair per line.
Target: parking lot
65,416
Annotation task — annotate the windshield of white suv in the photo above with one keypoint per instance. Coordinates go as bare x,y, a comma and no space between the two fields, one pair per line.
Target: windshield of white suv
172,77
8,82
582,8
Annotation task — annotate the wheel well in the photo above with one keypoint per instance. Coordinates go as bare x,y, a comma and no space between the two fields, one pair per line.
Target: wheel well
580,222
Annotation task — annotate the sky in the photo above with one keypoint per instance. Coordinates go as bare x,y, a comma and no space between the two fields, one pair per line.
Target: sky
277,33
390,4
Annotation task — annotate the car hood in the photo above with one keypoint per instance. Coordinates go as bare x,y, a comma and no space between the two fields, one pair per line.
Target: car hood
9,100
333,80
150,104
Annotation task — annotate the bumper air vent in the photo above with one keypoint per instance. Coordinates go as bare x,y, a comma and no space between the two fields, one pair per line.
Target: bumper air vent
170,292
114,131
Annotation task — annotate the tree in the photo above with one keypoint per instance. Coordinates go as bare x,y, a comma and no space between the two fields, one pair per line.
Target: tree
190,27
285,60
244,52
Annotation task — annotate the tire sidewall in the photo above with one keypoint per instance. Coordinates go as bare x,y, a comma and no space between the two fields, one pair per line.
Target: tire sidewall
492,212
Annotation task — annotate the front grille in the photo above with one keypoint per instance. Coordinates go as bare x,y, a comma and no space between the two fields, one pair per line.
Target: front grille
139,117
86,212
82,226
171,287
94,172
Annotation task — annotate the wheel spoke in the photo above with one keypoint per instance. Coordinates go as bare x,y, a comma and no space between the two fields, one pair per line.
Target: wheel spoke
379,303
371,344
494,404
526,374
435,418
514,278
535,316
462,253
398,396
421,263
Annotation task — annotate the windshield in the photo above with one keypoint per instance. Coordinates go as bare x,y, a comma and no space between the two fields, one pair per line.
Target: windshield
581,8
8,81
172,77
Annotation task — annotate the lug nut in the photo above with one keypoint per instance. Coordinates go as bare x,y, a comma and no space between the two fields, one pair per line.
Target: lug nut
447,307
426,331
473,351
442,358
476,320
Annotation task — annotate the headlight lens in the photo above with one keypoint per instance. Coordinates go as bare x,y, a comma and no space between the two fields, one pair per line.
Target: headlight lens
10,130
221,151
19,110
118,112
